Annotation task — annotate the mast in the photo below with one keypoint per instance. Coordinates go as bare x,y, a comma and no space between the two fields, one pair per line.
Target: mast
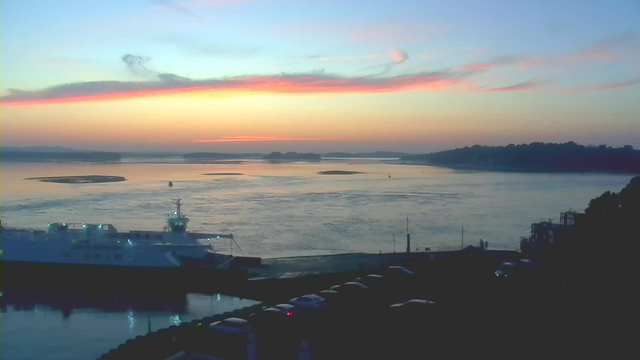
178,204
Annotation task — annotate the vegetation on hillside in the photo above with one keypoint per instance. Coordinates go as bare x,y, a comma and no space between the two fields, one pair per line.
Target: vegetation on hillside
538,157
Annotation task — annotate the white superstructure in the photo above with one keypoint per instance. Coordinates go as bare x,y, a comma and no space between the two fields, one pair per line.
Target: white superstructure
102,244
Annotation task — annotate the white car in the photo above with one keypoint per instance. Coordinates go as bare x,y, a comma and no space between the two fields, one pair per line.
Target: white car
231,326
309,301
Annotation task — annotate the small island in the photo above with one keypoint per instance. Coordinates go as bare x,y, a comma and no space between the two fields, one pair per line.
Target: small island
222,174
200,156
339,172
84,179
293,156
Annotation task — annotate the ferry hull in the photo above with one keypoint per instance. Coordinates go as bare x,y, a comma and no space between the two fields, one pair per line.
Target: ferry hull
15,274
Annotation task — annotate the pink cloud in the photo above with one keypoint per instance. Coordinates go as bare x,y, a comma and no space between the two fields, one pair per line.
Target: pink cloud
259,139
315,83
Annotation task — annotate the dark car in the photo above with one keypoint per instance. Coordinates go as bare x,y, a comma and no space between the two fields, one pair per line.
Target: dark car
372,281
399,272
331,296
506,270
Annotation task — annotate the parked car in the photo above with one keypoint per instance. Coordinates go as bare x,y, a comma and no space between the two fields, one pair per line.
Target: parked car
331,296
399,272
238,342
309,301
231,326
273,321
414,310
372,280
413,304
287,309
507,269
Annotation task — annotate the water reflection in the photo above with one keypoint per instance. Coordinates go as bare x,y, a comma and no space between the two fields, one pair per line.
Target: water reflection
132,321
67,302
49,324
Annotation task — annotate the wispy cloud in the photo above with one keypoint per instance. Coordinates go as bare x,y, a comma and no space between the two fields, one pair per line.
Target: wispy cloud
525,85
186,7
170,84
604,87
259,139
396,57
176,7
492,63
384,34
606,50
197,48
393,33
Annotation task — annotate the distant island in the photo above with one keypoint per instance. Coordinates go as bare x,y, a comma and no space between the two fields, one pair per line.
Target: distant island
339,172
222,173
537,157
45,156
375,154
219,156
84,179
293,156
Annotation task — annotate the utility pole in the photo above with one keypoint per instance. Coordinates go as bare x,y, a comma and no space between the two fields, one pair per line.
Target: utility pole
408,237
462,238
394,243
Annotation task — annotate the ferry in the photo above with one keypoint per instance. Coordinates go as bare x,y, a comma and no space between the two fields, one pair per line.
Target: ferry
72,251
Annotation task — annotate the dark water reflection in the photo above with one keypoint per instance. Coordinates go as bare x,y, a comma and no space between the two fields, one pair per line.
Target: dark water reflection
49,324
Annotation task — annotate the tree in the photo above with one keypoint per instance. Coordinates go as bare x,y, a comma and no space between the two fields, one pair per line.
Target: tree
630,200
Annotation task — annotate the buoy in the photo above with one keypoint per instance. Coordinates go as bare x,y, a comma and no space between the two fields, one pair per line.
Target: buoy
170,183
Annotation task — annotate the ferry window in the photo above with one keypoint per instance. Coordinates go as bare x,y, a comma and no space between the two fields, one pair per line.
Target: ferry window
66,255
117,257
87,256
97,256
108,257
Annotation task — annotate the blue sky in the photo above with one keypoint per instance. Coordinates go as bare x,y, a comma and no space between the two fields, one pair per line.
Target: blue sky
515,56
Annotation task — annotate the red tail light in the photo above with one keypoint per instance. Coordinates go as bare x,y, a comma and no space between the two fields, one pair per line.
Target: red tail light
289,313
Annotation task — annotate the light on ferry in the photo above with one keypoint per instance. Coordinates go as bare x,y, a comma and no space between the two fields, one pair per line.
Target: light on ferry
129,241
208,239
218,237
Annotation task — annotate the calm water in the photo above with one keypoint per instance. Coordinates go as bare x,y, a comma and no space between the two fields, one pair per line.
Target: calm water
288,209
57,326
273,210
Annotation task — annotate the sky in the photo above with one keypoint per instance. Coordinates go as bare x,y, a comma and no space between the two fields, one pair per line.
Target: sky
317,75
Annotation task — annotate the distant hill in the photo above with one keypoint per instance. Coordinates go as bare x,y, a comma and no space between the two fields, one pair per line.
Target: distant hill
41,156
375,154
293,156
57,149
537,157
218,156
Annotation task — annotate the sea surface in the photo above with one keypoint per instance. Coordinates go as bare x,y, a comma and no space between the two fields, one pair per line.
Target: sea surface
289,209
47,325
272,210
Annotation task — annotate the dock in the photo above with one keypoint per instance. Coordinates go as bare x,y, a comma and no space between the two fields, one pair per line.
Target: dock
278,279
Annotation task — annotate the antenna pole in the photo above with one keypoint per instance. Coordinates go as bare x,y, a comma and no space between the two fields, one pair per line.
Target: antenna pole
408,237
462,238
